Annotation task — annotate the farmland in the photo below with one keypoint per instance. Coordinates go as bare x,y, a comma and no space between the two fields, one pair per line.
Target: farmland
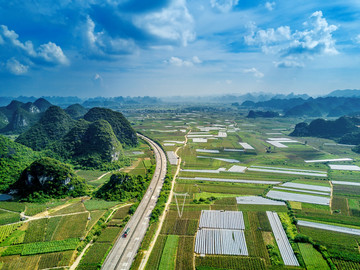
206,175
278,180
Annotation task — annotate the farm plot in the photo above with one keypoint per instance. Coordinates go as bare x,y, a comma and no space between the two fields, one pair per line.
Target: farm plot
246,146
305,186
222,159
328,227
287,171
237,169
282,241
173,159
257,200
313,259
221,241
169,253
327,160
303,191
298,197
229,262
344,167
207,151
231,180
345,183
222,220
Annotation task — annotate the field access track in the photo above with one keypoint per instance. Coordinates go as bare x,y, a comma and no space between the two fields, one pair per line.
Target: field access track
282,241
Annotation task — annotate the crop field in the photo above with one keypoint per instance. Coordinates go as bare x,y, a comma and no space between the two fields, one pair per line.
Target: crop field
8,217
313,259
346,265
94,256
95,204
230,262
168,256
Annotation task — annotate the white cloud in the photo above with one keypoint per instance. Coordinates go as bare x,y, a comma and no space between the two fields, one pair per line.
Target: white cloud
48,53
287,63
228,81
97,79
196,60
173,23
100,44
270,5
15,67
224,5
316,39
255,72
52,53
269,36
178,62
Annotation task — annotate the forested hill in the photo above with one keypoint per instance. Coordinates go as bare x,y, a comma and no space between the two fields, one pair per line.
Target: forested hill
54,124
344,130
93,142
18,116
120,125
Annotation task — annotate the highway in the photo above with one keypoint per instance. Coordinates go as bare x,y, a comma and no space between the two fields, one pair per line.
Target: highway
124,250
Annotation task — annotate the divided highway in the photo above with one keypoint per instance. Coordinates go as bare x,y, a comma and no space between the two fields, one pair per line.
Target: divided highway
124,250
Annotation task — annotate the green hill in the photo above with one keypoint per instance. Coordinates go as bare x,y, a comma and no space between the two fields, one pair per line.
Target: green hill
53,125
76,111
120,125
89,144
122,187
326,128
21,116
14,158
49,178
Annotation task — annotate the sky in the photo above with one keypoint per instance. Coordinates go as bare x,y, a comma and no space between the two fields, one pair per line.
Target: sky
178,47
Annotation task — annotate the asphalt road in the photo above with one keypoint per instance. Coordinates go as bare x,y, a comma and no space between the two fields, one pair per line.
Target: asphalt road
124,250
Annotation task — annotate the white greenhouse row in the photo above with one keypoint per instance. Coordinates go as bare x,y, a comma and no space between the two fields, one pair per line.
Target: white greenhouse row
298,197
328,227
220,241
260,182
217,219
282,241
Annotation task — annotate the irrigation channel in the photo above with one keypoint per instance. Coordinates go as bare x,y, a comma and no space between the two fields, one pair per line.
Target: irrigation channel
282,241
124,250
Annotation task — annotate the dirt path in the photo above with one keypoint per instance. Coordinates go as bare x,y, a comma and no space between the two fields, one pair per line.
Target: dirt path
78,259
133,166
162,217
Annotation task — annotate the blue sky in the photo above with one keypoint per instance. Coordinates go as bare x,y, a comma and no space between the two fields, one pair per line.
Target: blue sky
178,47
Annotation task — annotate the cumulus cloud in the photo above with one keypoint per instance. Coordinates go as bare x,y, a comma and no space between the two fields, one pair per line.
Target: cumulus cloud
224,5
15,67
293,46
270,5
173,23
178,62
255,72
48,53
101,44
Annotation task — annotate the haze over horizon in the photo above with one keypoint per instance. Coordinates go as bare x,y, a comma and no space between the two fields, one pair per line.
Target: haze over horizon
178,47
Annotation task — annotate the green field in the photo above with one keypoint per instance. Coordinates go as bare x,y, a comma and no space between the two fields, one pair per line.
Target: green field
313,259
168,256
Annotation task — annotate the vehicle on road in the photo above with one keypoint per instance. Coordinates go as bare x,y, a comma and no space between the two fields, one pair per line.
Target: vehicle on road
126,232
